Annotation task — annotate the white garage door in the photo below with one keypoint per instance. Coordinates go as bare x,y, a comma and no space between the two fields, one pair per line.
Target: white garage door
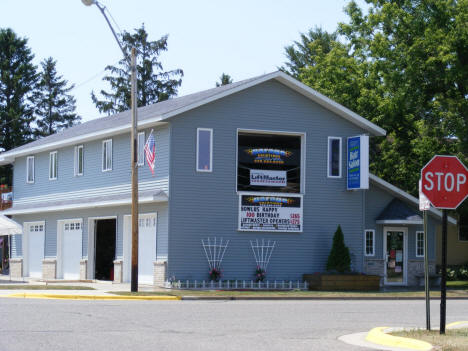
35,249
71,249
146,247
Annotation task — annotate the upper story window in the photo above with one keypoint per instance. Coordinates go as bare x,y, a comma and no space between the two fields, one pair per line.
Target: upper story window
107,155
53,165
419,244
334,157
204,149
30,169
269,162
141,148
370,242
79,160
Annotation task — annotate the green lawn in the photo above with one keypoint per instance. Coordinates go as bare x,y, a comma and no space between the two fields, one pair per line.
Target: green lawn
453,340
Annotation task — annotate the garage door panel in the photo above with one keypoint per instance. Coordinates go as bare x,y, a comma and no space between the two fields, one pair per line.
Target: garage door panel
71,249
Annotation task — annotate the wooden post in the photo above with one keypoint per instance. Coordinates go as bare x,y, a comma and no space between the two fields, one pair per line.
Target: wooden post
134,166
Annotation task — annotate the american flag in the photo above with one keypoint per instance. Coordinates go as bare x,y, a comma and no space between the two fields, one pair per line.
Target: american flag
150,151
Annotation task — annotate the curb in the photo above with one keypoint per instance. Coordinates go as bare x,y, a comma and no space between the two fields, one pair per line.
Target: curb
378,336
93,297
317,298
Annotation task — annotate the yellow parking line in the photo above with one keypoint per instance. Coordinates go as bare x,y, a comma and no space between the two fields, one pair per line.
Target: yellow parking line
91,297
454,324
378,336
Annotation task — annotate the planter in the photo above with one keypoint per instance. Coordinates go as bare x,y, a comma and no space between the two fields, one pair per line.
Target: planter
342,282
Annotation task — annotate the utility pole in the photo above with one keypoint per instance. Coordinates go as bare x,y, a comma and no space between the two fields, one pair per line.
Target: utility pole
134,150
133,147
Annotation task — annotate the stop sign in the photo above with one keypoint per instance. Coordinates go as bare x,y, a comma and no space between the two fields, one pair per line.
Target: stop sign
445,181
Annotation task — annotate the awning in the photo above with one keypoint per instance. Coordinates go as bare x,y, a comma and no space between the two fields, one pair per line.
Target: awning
398,212
9,226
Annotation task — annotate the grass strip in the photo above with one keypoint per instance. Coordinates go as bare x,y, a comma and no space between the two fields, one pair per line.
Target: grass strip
453,340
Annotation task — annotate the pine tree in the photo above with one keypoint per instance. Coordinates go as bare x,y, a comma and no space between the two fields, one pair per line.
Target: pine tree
224,80
18,78
339,259
154,84
55,108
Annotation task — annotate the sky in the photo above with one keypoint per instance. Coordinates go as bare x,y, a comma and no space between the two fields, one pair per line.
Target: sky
206,38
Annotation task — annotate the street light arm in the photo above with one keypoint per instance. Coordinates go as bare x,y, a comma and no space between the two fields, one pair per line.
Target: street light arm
102,9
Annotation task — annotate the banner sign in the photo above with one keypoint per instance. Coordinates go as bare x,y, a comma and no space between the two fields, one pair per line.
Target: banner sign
268,178
270,213
358,162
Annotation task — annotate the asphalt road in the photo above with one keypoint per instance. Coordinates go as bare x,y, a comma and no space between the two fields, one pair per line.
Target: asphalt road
29,324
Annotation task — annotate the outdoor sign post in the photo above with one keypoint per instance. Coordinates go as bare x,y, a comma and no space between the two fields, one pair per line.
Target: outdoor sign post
444,181
425,205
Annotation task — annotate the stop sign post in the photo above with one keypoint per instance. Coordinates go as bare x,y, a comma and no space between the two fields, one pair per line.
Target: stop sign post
445,184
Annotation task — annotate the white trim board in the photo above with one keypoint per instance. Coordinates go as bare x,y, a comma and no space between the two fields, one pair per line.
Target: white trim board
97,204
157,119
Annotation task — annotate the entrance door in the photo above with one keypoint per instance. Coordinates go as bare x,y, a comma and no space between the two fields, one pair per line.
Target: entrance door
35,249
105,240
395,253
71,249
146,247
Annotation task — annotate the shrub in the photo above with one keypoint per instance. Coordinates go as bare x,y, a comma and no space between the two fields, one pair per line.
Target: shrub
457,272
339,259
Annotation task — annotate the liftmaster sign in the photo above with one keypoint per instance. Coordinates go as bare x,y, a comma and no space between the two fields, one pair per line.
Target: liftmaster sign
270,213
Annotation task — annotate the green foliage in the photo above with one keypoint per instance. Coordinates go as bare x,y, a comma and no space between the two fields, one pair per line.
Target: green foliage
18,78
403,66
339,259
457,272
154,84
224,80
54,107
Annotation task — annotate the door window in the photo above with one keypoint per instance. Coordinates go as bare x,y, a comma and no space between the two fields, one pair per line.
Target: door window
395,254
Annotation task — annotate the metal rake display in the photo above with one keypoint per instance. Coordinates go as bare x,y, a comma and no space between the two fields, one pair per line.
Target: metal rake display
262,252
214,251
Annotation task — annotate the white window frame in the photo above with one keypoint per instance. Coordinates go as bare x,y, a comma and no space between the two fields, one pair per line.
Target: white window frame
423,243
27,170
104,156
77,161
53,166
373,242
211,150
330,138
303,158
142,161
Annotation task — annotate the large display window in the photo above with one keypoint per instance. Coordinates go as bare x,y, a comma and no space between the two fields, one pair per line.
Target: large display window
269,162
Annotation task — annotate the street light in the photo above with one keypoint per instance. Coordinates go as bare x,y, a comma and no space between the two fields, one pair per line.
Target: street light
133,148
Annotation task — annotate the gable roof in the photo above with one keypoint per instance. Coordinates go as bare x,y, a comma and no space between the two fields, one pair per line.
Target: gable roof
161,112
402,195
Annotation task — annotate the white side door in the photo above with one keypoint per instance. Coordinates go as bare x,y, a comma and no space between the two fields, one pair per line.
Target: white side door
147,224
35,237
71,248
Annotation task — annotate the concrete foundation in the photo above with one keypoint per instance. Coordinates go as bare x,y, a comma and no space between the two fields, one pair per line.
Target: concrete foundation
16,268
159,273
84,269
49,268
118,271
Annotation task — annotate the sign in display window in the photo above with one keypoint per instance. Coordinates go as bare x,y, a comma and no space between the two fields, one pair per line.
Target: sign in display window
270,213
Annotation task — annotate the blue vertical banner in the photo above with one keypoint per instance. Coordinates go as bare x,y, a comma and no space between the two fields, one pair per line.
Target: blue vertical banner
358,162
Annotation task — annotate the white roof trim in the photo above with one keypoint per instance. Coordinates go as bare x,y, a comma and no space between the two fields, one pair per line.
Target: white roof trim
10,157
398,221
279,76
405,196
97,204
